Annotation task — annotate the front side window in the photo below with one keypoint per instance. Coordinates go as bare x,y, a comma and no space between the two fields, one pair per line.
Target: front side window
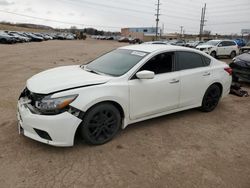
161,63
117,62
189,60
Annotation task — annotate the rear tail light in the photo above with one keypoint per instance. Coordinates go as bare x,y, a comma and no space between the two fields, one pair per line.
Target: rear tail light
229,70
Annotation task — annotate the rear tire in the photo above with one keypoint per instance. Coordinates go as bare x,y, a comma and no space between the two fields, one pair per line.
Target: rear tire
233,54
211,98
213,54
100,124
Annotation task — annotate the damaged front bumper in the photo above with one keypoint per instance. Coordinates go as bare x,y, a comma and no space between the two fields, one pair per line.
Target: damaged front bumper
56,130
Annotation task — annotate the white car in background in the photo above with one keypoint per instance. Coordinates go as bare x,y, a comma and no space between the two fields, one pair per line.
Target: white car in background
220,48
124,86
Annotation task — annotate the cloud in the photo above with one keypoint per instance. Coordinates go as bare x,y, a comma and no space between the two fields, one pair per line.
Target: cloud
28,9
6,3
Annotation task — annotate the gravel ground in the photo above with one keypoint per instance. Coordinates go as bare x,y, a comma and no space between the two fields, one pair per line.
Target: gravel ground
186,149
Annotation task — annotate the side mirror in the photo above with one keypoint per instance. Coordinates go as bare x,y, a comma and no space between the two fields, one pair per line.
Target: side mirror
220,45
145,74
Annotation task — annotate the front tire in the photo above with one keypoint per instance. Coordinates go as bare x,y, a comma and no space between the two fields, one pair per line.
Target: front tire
211,98
213,54
100,124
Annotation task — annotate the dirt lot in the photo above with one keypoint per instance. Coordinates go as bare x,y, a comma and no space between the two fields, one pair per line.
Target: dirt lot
187,149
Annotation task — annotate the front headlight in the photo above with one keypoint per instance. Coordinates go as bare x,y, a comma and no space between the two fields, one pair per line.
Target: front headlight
48,104
209,48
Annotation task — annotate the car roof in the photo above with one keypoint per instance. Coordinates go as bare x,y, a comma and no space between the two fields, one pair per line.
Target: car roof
152,47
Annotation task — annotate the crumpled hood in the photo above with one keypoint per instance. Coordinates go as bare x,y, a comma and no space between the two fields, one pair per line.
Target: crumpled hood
62,78
205,46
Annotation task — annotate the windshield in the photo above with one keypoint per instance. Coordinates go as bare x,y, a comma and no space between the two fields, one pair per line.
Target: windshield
117,62
212,42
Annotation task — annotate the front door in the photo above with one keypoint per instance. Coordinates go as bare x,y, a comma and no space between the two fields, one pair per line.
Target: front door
160,94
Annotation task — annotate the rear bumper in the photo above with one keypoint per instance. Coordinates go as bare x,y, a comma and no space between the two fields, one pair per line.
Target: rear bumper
61,128
242,74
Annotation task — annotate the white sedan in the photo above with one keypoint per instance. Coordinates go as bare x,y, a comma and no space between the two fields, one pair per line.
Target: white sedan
124,86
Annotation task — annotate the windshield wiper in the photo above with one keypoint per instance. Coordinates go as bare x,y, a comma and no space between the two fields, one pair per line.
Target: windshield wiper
89,70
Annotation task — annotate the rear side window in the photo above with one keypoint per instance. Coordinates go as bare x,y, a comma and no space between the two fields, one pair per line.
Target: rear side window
190,60
231,43
223,43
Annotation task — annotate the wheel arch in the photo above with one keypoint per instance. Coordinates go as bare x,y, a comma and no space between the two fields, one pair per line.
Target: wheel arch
219,85
114,103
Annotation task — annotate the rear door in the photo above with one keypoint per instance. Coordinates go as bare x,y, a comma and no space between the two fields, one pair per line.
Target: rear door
194,77
222,48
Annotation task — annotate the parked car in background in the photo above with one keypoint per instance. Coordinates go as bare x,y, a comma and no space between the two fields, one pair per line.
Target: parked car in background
135,41
246,48
241,67
109,38
240,42
195,44
220,48
189,43
177,42
33,37
18,37
127,85
124,39
6,39
156,42
11,37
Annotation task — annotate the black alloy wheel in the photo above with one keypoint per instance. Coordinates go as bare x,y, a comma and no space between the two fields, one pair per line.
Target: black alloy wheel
100,124
211,98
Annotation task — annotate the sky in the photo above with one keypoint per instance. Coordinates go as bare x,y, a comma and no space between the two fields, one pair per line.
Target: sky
222,16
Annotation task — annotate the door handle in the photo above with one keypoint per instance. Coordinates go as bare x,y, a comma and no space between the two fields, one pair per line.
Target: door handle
174,81
206,74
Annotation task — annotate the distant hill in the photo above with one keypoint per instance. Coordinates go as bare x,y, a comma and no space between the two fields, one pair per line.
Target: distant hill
24,27
34,26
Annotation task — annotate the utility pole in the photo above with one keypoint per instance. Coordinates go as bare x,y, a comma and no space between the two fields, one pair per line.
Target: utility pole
157,19
202,23
181,31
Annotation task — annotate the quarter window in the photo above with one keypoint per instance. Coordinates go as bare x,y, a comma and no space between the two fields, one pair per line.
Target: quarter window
189,60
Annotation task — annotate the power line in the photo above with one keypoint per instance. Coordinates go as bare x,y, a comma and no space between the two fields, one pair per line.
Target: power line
110,6
57,21
228,23
127,9
67,23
